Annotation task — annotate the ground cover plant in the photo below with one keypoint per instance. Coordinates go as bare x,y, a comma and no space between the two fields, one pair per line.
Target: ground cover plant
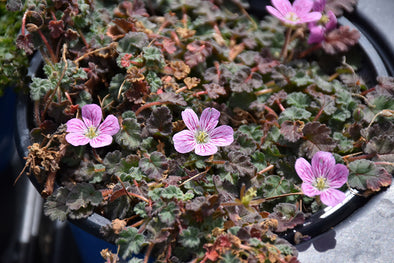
200,131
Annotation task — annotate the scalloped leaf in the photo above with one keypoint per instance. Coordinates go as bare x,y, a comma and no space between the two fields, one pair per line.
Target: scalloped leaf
244,80
190,237
55,205
292,130
288,216
130,134
160,122
154,166
240,164
364,174
340,40
318,138
130,242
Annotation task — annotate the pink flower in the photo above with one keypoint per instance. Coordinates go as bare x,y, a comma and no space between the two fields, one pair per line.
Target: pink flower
327,23
89,130
298,13
322,177
202,136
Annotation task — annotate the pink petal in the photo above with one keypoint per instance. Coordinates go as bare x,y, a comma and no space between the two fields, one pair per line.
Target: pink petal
275,13
109,126
91,115
310,17
322,163
319,5
309,190
205,149
209,119
332,197
283,6
316,34
222,136
101,141
77,139
304,170
338,176
332,22
76,125
190,118
302,7
184,141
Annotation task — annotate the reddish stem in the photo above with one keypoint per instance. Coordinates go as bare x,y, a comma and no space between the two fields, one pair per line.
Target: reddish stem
53,57
148,105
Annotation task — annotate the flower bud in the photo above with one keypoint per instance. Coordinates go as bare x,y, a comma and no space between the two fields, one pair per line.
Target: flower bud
358,114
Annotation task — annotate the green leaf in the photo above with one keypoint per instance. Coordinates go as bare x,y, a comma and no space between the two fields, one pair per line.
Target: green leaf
83,194
153,57
168,214
55,205
130,134
275,185
39,87
139,209
154,81
130,242
253,130
132,42
298,100
343,143
364,174
154,166
189,237
293,114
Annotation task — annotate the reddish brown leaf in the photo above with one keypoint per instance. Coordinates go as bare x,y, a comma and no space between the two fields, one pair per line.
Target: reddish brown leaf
340,40
25,42
292,130
339,6
318,138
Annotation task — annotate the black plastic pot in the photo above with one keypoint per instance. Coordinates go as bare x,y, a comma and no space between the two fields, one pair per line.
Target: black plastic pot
314,226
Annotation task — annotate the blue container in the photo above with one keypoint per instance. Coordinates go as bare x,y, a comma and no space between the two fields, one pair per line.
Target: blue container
7,126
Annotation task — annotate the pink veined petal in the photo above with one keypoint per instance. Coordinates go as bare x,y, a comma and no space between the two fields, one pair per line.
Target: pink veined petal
76,125
109,126
309,190
316,34
304,170
77,139
209,119
332,22
332,197
302,7
338,176
101,141
322,163
91,115
283,6
222,136
319,5
275,13
205,149
310,17
190,118
184,141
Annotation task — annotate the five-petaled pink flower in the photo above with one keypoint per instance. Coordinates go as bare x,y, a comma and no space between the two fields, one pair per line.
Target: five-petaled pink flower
322,177
327,23
298,13
202,136
89,130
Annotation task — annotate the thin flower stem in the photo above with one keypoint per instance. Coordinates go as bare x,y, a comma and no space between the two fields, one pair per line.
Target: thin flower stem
310,50
283,195
148,252
365,156
110,46
96,156
195,176
129,194
384,163
283,53
266,169
148,105
50,50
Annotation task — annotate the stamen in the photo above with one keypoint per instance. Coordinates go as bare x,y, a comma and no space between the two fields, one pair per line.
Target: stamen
292,16
91,132
321,183
202,137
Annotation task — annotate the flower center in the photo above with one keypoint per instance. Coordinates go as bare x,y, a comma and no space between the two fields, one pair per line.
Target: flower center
292,17
321,183
202,137
91,132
